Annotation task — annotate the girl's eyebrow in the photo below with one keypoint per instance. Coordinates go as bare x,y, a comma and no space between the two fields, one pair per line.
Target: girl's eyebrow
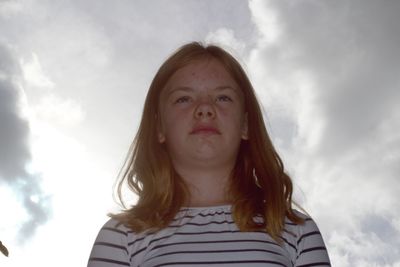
180,88
190,89
226,87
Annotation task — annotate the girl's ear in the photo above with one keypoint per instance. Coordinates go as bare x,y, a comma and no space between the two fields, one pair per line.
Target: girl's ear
245,127
160,134
161,137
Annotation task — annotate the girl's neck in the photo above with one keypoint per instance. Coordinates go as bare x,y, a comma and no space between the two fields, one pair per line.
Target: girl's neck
207,188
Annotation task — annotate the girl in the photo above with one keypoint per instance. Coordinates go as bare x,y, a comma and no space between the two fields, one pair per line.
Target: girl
211,188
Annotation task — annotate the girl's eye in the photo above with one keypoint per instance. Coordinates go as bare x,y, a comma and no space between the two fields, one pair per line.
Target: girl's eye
182,99
224,98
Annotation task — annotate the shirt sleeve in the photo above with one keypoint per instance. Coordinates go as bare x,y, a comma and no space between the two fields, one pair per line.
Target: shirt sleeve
311,250
111,246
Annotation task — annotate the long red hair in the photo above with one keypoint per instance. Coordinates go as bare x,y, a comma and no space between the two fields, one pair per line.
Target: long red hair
259,185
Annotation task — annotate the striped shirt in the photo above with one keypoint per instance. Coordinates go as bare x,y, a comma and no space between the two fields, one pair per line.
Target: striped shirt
208,236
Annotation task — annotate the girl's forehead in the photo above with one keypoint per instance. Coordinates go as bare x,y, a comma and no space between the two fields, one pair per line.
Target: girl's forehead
200,71
208,67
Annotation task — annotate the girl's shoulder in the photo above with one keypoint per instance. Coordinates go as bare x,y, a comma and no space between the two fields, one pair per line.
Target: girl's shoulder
308,225
111,245
115,226
304,241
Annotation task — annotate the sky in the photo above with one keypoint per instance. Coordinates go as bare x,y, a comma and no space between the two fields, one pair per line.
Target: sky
74,75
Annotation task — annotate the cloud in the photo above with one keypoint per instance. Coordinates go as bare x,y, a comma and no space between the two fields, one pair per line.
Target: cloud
328,74
15,151
226,37
58,111
9,7
33,74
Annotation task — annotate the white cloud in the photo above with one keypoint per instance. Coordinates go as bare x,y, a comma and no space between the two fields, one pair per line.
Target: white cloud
267,21
78,188
58,111
34,75
10,205
226,38
10,7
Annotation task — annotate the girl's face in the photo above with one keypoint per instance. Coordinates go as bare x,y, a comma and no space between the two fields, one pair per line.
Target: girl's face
202,115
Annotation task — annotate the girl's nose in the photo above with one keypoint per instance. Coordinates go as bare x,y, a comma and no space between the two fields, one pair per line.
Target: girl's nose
205,109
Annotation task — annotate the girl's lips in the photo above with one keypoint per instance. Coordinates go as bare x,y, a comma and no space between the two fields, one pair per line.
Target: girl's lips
204,130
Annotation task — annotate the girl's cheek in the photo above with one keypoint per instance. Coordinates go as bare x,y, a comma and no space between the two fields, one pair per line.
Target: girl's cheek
175,115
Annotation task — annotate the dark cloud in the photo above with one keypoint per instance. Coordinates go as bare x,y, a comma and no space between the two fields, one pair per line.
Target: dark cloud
353,50
15,152
350,113
379,232
375,223
14,130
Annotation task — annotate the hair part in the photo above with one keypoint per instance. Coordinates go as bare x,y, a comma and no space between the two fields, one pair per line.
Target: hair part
259,185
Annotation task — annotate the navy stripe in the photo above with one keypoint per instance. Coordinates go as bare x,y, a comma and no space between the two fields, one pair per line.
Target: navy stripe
290,233
312,249
202,215
192,233
216,251
115,230
219,262
204,242
110,261
209,232
292,223
201,224
216,241
136,240
290,244
106,244
315,264
308,234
